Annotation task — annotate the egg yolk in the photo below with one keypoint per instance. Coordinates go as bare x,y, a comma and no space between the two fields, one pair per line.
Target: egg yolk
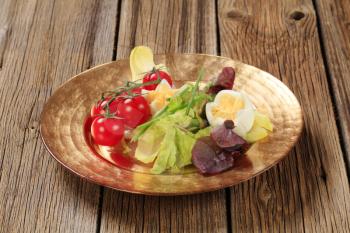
227,107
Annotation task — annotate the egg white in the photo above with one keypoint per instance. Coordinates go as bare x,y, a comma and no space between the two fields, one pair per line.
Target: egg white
244,118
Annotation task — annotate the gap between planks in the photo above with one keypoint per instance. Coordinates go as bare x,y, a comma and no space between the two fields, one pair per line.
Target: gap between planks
102,189
346,154
227,190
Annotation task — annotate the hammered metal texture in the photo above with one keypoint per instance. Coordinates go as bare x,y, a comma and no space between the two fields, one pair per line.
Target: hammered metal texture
63,116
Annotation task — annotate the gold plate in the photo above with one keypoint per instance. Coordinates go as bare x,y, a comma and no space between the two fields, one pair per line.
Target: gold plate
63,118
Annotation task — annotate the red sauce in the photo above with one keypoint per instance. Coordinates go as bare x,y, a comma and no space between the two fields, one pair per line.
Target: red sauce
113,155
243,163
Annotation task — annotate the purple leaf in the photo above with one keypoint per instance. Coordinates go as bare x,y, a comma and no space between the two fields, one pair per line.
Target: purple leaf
225,138
209,158
224,81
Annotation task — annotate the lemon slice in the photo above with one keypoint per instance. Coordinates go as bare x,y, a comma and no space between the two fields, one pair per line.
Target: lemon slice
256,134
262,125
263,121
141,61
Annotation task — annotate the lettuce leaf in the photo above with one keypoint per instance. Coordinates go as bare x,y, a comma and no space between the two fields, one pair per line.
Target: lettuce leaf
184,142
175,151
166,156
177,102
148,145
169,149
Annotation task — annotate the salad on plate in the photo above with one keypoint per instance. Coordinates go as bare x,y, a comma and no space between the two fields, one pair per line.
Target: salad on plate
151,121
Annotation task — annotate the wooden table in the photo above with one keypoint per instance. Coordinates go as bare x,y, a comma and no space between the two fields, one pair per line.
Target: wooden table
304,43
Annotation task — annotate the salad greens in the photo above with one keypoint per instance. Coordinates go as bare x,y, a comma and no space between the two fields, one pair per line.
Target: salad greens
179,103
207,125
169,147
169,137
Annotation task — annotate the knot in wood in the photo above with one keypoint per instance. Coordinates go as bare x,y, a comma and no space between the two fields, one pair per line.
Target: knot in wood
265,194
235,14
347,25
296,15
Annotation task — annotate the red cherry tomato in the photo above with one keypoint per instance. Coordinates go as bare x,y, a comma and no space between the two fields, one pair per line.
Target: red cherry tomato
98,108
134,111
153,76
107,131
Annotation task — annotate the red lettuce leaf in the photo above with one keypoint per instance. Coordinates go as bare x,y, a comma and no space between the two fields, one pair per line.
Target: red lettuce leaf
209,158
224,81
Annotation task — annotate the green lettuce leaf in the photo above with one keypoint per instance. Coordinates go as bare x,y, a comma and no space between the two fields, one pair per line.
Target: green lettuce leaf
148,145
177,102
166,156
184,143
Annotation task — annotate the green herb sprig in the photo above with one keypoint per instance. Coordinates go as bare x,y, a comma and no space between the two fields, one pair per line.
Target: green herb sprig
195,89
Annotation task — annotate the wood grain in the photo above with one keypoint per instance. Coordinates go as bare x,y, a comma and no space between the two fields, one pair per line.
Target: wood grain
6,15
309,191
334,18
46,43
165,26
43,43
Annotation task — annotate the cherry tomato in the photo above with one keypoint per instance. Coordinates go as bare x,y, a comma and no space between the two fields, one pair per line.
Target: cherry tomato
107,131
98,109
134,111
153,76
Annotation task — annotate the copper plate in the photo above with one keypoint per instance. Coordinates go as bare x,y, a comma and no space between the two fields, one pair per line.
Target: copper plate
63,115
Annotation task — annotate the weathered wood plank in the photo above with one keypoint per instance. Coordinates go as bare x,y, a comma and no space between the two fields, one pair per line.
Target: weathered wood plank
49,41
166,26
334,17
6,15
308,191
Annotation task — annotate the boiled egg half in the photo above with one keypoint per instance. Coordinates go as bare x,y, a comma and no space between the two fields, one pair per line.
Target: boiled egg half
236,106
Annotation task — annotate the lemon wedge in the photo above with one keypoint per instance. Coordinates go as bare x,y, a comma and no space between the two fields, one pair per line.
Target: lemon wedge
260,129
262,121
256,134
141,61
